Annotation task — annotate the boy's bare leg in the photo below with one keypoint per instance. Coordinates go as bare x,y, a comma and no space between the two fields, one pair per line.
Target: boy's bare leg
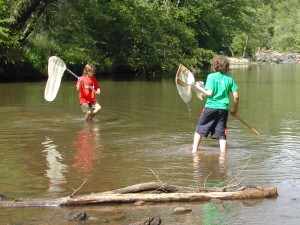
222,163
87,115
223,145
94,112
197,140
222,158
91,116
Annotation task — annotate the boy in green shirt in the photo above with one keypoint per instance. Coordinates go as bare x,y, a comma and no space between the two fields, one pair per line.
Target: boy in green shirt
213,119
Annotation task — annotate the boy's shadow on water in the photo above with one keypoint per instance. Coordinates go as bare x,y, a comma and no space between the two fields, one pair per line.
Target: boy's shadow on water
209,168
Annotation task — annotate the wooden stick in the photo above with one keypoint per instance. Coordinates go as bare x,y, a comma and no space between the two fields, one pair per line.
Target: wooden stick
246,124
77,189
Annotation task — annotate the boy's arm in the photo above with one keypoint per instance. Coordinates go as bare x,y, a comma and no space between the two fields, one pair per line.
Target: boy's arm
236,103
78,84
97,86
98,91
205,91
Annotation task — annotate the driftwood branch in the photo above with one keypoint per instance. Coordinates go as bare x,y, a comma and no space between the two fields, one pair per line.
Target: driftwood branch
130,195
169,197
77,189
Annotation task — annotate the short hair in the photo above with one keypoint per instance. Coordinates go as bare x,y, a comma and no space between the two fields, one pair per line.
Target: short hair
89,68
220,64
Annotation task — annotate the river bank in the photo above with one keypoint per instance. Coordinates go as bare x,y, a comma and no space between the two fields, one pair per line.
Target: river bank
267,57
13,73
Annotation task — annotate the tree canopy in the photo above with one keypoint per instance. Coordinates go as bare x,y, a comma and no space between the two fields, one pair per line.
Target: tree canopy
142,36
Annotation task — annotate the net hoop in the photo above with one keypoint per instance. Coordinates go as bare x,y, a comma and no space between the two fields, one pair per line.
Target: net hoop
187,77
56,69
185,83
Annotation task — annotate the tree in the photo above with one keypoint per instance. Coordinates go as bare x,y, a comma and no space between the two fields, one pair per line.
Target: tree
17,20
7,43
286,26
142,36
136,36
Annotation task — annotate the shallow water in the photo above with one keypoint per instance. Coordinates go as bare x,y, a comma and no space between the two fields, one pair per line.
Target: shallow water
144,133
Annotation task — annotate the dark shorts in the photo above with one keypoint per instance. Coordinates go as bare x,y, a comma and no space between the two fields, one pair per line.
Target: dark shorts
213,122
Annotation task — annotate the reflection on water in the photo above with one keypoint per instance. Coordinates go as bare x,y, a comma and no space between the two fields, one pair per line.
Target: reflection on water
211,214
87,154
210,168
56,169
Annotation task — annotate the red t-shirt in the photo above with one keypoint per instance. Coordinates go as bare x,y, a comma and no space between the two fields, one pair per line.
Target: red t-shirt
88,88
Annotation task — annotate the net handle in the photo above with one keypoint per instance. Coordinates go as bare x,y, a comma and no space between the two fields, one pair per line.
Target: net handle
69,71
246,124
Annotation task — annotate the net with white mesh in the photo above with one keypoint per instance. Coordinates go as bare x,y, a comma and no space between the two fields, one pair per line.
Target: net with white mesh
56,69
185,82
184,75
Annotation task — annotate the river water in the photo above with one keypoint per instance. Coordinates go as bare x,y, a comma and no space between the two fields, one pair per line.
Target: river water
144,133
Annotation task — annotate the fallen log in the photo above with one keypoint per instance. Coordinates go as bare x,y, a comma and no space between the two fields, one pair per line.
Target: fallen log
169,197
166,188
125,195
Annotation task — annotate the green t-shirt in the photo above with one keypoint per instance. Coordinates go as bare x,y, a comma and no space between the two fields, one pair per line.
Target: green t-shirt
221,85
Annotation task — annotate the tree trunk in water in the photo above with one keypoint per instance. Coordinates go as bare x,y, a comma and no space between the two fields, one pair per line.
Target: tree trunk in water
129,195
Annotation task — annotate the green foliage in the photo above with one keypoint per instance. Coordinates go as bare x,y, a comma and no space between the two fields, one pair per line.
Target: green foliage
201,58
147,36
4,30
39,48
8,44
62,31
287,26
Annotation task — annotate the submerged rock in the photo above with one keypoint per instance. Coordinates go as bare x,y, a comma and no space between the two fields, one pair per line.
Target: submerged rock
216,201
139,203
149,221
2,197
79,216
182,210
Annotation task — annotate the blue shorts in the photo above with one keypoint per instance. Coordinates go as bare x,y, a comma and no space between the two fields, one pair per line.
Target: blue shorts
213,122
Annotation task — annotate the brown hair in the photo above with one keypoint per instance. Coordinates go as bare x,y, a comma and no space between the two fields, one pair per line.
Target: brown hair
89,68
220,64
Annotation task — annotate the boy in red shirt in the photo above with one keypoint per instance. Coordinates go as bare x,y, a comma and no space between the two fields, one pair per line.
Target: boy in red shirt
88,86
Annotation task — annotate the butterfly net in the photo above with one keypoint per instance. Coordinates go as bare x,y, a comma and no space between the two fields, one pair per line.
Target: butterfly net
56,69
186,78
